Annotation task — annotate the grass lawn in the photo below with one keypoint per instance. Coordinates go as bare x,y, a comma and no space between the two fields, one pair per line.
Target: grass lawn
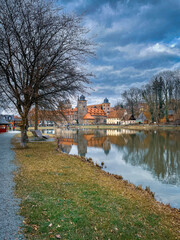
66,196
132,127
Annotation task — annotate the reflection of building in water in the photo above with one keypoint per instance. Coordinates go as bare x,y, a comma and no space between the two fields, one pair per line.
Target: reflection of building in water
113,132
65,133
99,142
83,139
157,152
117,132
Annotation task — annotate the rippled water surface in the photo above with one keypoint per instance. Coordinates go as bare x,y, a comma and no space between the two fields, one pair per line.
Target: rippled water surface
147,158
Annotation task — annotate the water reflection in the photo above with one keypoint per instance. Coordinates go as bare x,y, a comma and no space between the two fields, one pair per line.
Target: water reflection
48,131
84,139
143,157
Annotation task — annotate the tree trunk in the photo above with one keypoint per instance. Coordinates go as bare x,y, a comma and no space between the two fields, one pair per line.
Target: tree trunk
152,113
36,116
24,136
167,115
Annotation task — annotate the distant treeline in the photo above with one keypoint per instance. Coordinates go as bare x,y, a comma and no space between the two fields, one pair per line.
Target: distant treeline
161,95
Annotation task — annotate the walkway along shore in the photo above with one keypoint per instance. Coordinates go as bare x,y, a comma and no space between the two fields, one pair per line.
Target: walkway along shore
10,221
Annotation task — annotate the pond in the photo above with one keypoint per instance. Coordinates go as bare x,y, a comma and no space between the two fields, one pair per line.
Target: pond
147,158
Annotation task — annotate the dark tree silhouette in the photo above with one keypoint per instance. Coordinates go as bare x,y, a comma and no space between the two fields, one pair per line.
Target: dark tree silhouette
42,54
132,97
163,94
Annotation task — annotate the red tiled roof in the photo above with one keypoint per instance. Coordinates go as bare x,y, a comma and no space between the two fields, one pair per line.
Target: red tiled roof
68,111
75,109
96,111
88,136
17,117
116,113
95,105
88,117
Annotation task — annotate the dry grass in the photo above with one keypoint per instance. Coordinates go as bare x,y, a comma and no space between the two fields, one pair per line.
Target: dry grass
69,196
133,127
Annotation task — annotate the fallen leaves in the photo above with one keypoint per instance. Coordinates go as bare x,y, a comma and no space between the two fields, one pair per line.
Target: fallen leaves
35,227
76,198
58,236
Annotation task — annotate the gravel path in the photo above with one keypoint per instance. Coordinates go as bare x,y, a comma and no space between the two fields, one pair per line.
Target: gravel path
10,221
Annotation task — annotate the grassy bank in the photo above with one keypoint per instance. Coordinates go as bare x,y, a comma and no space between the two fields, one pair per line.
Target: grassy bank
68,197
133,127
41,128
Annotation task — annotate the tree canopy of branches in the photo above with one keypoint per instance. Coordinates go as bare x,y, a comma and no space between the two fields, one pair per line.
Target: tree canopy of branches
118,105
163,94
132,97
42,54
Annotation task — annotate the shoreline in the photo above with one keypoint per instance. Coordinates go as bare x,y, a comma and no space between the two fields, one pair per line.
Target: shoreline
75,175
140,184
116,127
133,127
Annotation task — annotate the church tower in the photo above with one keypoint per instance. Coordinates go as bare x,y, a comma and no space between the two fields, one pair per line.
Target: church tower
106,106
82,108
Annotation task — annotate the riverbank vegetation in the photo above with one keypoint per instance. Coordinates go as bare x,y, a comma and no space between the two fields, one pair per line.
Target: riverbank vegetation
133,127
67,197
160,97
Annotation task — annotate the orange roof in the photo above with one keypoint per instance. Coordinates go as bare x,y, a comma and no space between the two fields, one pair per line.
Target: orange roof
74,109
96,141
69,111
95,105
96,111
88,117
88,136
17,117
116,113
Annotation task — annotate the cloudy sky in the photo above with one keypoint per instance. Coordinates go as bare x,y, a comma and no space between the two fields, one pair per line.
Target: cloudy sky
137,39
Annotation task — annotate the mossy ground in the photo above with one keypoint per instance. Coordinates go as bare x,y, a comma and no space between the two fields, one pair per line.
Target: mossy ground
69,196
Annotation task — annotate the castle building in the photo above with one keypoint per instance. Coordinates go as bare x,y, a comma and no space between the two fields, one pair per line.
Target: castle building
81,114
87,114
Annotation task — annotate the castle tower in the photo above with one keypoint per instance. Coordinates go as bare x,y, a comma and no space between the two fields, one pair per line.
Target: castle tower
106,106
82,108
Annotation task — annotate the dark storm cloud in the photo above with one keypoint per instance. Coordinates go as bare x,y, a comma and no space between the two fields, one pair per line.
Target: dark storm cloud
137,39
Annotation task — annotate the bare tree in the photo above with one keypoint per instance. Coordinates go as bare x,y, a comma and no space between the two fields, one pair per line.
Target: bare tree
149,98
163,94
175,92
42,54
118,105
132,97
157,88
